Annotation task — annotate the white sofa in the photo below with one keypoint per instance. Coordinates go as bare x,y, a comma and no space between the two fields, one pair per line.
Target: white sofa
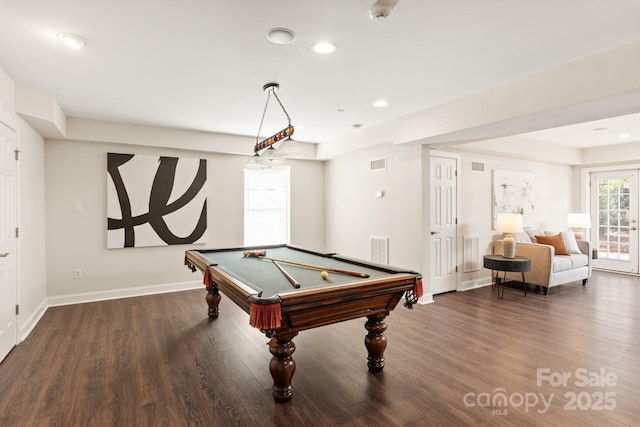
547,268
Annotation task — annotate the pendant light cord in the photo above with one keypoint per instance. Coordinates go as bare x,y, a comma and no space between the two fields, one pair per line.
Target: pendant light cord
264,112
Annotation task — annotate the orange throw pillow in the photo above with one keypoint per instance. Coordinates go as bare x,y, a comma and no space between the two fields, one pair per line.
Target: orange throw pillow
556,241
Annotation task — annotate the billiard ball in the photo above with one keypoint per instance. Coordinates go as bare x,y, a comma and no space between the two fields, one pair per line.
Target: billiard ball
324,275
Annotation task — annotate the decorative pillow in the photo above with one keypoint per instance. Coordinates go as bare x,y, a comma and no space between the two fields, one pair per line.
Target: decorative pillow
521,238
556,241
533,232
570,242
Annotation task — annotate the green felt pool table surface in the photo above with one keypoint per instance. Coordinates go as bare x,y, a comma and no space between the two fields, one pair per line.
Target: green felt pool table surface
262,275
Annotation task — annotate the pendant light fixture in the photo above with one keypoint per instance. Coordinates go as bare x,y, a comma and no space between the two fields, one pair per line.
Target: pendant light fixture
264,152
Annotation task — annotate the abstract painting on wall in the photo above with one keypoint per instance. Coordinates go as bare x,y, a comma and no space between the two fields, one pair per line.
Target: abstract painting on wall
513,193
155,200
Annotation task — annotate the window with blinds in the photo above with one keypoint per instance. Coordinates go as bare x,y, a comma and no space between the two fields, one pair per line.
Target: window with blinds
266,206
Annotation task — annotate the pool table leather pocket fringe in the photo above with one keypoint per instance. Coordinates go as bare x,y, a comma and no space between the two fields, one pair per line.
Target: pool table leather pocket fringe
265,316
412,295
417,288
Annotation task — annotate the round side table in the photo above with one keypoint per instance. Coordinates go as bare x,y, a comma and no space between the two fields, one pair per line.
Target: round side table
497,263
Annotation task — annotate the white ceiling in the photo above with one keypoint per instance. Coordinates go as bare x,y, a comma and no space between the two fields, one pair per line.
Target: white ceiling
616,130
201,64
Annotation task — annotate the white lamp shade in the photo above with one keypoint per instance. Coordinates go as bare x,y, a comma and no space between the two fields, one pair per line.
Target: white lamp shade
291,149
579,220
269,158
509,223
253,164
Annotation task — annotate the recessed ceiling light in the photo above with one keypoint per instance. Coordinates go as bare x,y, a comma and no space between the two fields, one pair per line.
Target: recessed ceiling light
324,47
74,41
381,103
624,135
281,36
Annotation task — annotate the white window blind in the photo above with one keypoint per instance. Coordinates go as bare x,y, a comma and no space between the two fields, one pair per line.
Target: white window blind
266,206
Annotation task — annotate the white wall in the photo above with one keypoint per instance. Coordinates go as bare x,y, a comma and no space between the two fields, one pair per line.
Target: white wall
76,172
307,198
611,154
32,271
353,213
7,95
553,198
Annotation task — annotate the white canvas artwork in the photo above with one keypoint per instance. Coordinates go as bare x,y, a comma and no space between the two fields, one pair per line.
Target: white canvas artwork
155,200
513,193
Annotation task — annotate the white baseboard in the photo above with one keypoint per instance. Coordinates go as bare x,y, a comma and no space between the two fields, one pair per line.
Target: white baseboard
27,326
122,293
426,299
474,284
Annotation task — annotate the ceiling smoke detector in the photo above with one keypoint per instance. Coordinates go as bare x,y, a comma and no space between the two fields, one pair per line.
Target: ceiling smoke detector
381,9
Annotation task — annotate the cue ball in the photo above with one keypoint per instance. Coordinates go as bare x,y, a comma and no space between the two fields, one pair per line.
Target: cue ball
324,275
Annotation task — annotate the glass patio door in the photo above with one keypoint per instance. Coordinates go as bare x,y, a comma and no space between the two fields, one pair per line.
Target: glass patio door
614,214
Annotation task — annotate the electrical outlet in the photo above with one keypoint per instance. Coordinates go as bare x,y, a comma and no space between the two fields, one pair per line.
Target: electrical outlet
77,273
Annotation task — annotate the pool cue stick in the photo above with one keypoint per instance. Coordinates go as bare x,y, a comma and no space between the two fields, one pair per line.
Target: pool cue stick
290,278
319,267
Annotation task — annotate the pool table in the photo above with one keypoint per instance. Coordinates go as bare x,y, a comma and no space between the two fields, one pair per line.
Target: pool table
282,306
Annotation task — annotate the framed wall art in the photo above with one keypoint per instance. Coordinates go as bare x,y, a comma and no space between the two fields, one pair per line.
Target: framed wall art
155,200
513,193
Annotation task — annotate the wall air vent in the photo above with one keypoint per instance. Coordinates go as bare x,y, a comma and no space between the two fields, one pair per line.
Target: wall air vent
471,252
379,249
378,165
477,166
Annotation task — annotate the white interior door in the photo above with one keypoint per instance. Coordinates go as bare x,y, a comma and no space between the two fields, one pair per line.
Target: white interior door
444,212
614,214
8,221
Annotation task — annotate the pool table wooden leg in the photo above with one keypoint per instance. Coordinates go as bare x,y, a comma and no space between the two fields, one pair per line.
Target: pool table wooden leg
282,366
213,301
375,341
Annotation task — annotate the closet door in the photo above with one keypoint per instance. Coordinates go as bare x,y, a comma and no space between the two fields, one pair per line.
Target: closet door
444,218
614,214
8,244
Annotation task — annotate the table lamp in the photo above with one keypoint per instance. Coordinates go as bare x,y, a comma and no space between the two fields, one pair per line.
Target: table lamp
578,221
509,224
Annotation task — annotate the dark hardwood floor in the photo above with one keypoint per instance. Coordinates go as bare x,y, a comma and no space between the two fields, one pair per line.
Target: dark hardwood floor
467,359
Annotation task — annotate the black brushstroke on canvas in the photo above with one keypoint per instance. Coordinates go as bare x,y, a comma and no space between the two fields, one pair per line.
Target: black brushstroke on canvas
158,204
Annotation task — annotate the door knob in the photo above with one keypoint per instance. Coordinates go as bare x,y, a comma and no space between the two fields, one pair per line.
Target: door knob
4,254
435,232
